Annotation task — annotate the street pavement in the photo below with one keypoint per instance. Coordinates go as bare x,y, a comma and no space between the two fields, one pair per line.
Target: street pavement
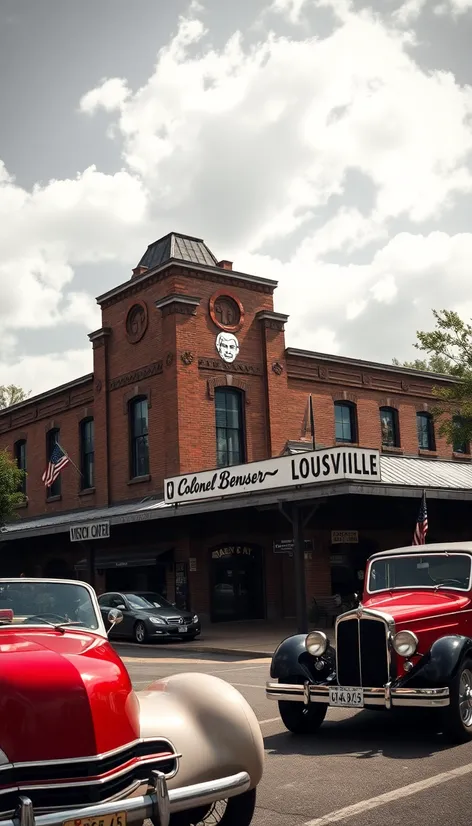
362,769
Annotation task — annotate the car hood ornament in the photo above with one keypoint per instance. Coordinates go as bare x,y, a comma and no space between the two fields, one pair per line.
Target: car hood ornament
359,612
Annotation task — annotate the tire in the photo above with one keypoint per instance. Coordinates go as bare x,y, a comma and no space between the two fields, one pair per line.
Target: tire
237,811
458,715
301,719
139,632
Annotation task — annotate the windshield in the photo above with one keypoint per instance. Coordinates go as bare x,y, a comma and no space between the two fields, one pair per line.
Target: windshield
148,600
425,571
35,602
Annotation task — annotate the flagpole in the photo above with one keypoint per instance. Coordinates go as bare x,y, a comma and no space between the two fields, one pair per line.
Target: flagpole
70,460
312,421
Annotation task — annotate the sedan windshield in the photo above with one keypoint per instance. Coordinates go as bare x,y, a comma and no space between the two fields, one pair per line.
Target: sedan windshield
149,601
426,571
36,602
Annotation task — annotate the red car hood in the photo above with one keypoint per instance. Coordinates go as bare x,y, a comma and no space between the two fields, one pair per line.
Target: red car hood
62,696
416,604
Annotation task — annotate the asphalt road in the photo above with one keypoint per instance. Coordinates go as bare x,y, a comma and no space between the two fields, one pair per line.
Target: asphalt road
362,769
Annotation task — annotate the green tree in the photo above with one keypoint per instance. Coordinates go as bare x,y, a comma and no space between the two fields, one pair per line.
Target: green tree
450,346
435,364
11,478
11,394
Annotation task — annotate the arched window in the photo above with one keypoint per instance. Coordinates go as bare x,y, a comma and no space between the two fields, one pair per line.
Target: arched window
139,443
345,420
230,446
52,438
425,429
87,454
20,456
389,427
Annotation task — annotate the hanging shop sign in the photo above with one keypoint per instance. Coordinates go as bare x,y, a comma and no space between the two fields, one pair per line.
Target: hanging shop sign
91,530
226,551
312,467
344,537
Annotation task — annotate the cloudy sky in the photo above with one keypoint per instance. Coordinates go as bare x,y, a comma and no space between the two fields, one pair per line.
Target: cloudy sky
324,143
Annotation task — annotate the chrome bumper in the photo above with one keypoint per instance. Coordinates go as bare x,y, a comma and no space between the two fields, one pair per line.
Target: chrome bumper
157,805
386,696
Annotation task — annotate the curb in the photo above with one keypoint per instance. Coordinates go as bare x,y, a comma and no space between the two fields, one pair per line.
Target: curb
198,649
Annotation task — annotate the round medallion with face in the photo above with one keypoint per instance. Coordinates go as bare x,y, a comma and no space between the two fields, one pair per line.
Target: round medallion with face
227,346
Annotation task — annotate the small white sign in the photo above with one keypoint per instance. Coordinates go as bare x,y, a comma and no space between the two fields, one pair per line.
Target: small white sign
192,564
344,537
91,530
310,468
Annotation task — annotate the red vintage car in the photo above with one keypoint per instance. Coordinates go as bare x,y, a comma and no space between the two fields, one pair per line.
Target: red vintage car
79,747
407,644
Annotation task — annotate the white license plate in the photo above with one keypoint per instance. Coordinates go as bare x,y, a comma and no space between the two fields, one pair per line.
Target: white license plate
183,629
347,697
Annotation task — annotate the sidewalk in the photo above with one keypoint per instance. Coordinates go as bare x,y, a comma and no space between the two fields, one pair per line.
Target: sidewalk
247,639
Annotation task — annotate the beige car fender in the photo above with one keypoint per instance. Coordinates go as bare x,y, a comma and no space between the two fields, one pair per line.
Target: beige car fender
209,722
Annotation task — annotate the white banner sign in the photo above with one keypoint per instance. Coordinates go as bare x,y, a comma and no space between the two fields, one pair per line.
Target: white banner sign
91,530
316,466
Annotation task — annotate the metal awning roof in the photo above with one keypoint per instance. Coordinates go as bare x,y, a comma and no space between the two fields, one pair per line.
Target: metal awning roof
401,476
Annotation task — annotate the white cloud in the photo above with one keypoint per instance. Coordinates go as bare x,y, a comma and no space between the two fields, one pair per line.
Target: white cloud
250,145
410,10
41,373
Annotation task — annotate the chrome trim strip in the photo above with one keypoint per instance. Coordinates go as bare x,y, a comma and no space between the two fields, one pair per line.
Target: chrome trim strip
102,781
422,697
157,805
93,758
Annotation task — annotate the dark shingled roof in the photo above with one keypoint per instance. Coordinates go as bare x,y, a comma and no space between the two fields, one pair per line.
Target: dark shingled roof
180,247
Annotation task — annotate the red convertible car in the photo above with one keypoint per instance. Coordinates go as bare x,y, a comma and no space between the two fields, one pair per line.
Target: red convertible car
407,644
79,747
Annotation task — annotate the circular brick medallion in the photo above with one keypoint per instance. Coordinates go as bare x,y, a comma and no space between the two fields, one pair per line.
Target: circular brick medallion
226,312
136,322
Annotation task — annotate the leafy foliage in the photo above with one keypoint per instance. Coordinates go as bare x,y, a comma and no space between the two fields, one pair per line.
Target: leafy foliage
11,478
434,364
449,347
11,394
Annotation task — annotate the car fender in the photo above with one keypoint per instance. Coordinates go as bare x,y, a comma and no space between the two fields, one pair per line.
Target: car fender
291,659
441,662
208,722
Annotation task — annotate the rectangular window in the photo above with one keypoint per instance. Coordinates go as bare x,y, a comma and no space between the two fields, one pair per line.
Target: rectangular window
389,427
459,444
20,456
139,438
229,427
344,422
424,425
87,454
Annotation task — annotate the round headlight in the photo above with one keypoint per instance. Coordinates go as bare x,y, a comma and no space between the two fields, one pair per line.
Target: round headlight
405,643
316,643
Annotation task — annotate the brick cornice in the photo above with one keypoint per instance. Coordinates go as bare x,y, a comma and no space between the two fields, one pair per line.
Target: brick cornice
178,304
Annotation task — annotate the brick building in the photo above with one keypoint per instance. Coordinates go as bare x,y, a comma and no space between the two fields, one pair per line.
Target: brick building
191,371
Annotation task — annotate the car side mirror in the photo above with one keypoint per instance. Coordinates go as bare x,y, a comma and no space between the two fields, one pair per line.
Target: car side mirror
114,618
121,607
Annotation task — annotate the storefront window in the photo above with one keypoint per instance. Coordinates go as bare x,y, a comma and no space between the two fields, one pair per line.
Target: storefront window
139,438
87,454
425,428
389,427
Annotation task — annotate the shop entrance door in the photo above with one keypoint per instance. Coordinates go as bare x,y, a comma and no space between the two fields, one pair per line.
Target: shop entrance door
237,590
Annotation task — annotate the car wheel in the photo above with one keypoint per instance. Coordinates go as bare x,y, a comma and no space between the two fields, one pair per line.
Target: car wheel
140,632
299,718
237,811
458,715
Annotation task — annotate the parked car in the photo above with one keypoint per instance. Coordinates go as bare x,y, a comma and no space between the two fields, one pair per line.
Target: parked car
148,616
407,645
80,746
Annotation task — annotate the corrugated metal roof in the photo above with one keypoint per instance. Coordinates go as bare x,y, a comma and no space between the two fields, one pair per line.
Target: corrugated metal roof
76,518
180,247
413,471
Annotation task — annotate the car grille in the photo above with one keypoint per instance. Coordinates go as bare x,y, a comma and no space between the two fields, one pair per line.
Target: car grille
175,621
361,652
62,784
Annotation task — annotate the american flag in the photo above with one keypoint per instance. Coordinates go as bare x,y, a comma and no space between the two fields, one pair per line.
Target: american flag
57,462
419,537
